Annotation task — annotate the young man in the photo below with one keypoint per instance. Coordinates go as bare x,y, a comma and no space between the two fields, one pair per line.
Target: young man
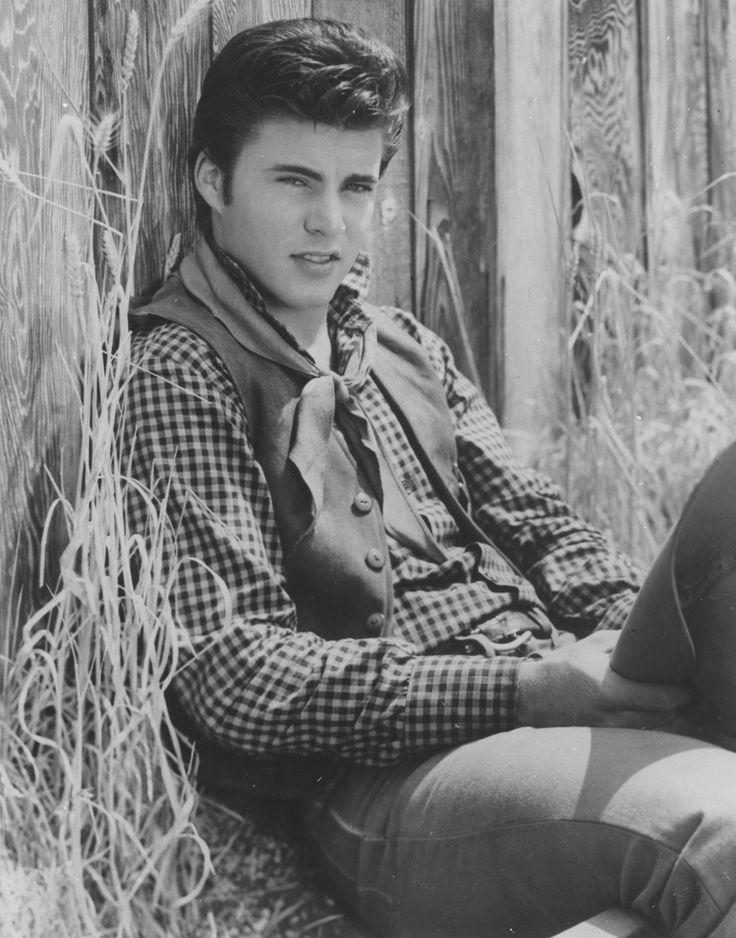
388,618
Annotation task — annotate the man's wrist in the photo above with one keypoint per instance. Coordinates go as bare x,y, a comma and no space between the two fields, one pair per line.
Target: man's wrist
529,692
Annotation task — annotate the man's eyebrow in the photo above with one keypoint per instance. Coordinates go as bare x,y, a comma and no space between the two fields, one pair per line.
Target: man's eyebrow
295,168
367,178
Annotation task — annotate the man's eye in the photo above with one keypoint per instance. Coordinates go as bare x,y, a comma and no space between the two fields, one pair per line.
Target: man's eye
360,187
292,180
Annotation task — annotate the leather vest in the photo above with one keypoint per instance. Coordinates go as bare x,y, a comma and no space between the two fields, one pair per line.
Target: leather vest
337,566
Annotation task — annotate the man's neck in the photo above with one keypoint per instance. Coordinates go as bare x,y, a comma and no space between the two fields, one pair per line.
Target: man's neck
320,348
309,328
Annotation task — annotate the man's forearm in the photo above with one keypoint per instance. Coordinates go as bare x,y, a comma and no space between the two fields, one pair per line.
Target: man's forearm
268,691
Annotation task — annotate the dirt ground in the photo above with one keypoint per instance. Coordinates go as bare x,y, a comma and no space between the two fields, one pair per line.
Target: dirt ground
265,883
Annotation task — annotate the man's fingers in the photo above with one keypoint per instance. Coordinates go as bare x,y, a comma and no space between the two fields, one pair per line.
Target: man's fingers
575,686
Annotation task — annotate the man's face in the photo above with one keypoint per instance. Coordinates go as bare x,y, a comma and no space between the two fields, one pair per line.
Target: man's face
300,206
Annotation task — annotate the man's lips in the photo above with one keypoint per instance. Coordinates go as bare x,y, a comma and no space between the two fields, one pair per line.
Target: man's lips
318,257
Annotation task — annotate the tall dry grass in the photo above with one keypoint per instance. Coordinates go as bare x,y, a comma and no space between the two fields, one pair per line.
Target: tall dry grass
649,367
96,798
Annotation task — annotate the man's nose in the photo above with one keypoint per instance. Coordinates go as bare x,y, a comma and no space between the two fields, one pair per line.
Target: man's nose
325,215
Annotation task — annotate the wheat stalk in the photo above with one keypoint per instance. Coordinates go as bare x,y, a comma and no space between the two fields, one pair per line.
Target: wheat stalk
110,251
102,134
97,817
172,256
129,52
185,22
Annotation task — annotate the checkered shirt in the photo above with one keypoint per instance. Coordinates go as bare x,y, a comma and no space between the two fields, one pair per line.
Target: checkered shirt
248,677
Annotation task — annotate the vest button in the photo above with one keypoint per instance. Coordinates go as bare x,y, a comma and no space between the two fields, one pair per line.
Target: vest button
375,622
362,503
374,559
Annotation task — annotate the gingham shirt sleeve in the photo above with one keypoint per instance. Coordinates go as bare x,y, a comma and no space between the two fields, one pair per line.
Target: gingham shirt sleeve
584,582
247,677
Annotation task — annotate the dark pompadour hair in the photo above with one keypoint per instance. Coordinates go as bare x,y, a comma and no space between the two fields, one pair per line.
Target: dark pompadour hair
323,71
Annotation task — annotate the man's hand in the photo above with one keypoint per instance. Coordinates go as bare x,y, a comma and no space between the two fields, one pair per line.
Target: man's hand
574,686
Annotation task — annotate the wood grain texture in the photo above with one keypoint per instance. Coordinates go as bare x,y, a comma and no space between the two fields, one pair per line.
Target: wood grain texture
390,248
676,131
231,16
454,179
532,188
605,115
42,82
720,31
166,191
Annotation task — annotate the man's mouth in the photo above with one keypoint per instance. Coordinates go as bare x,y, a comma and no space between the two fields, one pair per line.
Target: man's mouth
318,257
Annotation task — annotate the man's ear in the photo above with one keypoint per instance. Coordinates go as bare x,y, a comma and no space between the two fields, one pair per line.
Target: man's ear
208,179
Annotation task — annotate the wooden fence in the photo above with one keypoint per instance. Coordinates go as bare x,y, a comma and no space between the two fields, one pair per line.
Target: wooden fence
511,99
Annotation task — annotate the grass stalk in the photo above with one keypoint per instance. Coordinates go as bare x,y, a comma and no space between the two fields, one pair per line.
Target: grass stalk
649,376
96,799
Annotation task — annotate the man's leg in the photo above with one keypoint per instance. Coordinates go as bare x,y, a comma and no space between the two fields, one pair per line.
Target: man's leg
526,833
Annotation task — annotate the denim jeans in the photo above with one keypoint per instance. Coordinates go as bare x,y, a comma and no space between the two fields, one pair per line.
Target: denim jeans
528,832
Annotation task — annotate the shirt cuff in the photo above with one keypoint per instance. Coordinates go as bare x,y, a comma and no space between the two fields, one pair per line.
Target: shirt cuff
617,612
453,699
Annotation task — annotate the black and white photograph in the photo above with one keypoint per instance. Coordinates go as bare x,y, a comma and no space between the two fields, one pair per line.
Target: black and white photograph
368,462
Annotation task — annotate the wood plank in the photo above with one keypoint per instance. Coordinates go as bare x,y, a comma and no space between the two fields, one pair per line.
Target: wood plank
454,186
676,131
232,16
166,191
605,116
390,249
42,81
532,186
720,31
677,156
